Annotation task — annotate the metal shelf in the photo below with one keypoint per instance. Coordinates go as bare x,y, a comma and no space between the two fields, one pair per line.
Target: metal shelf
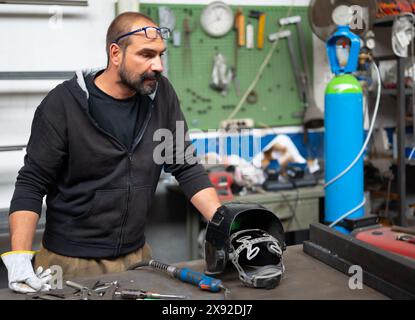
402,94
36,75
394,92
12,148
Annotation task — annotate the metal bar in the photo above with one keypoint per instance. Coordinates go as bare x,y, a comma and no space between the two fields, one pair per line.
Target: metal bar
303,49
297,71
389,273
401,125
36,75
12,148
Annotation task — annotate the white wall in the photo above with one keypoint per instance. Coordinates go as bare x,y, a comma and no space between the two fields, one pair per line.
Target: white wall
34,39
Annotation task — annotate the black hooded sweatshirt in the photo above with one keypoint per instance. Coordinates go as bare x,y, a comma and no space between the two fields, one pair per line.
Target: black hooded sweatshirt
98,191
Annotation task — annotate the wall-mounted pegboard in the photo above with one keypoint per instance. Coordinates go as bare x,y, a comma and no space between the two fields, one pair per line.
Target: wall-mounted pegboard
190,67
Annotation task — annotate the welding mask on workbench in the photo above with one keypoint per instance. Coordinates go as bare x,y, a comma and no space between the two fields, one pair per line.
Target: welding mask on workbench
252,238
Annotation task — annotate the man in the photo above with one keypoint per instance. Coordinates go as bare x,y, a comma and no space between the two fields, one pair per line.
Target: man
91,152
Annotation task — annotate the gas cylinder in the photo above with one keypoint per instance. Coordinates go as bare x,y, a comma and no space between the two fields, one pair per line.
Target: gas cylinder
344,133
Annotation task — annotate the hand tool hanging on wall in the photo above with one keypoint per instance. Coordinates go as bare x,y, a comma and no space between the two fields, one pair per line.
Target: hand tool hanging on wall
313,116
167,19
222,75
177,38
286,34
296,20
240,27
187,53
257,77
249,36
261,26
300,79
239,42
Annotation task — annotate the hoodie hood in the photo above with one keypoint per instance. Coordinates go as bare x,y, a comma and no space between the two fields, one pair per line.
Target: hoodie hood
82,74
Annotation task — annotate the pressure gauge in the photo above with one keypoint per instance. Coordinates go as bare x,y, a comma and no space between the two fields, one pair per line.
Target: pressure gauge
217,19
370,43
342,15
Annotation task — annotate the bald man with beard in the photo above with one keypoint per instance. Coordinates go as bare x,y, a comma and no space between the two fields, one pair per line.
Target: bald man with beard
91,153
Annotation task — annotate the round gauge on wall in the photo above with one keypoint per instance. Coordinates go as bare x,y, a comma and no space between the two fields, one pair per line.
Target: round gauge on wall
217,19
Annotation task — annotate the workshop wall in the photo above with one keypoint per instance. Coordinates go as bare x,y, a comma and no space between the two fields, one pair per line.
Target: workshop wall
255,140
276,100
320,78
205,108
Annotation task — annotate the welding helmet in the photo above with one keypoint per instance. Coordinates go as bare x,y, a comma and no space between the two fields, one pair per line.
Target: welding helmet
257,256
230,219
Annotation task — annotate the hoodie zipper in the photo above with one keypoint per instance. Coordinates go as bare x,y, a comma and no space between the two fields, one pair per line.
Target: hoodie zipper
130,160
129,186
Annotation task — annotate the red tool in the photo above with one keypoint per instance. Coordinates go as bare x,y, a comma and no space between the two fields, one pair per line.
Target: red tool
222,182
386,239
406,238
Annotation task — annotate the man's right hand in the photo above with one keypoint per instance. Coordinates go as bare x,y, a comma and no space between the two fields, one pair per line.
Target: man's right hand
22,277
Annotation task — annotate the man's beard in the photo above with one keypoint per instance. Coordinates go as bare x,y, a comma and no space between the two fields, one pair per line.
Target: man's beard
139,83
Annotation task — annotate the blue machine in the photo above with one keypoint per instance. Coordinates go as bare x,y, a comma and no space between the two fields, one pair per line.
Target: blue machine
344,133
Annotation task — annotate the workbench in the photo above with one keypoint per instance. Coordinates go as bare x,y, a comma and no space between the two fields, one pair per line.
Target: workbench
305,278
296,208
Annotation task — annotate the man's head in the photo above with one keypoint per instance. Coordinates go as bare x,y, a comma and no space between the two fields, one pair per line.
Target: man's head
136,57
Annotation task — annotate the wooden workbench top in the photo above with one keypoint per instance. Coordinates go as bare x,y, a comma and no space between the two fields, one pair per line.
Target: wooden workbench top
305,278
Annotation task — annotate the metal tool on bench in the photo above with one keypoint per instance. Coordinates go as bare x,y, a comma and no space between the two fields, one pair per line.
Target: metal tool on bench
222,182
100,291
202,281
406,238
141,294
93,294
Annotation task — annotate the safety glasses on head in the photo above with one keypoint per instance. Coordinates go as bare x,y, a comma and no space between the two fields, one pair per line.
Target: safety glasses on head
150,33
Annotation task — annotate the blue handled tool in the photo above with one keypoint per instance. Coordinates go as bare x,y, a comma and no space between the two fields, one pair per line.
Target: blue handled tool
202,281
186,275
